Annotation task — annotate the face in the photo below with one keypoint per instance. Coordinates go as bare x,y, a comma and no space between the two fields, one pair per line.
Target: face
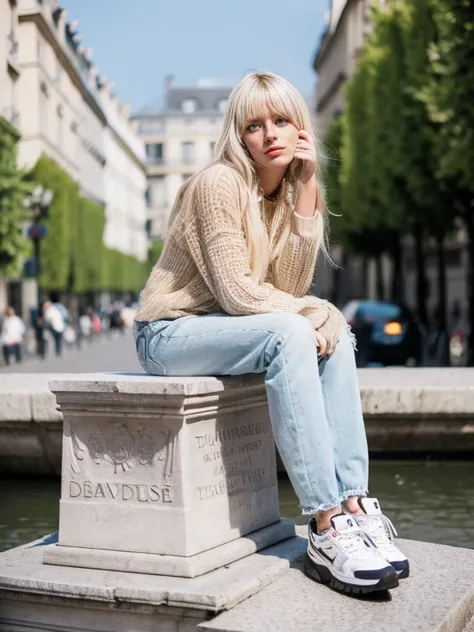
271,140
10,311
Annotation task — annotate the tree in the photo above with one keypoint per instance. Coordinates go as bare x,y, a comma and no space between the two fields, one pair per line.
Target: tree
449,95
13,190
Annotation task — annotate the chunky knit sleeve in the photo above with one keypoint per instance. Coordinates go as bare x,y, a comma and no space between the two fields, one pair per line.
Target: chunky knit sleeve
219,249
298,258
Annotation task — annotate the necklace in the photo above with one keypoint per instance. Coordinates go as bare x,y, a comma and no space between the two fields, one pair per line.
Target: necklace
273,196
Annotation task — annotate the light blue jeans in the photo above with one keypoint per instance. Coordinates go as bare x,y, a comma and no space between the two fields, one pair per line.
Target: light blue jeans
314,403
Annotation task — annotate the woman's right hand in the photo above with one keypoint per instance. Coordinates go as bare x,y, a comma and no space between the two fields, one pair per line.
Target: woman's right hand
322,343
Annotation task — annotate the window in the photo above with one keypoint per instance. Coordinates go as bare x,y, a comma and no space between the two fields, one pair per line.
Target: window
189,106
151,127
188,153
156,192
154,151
59,128
43,109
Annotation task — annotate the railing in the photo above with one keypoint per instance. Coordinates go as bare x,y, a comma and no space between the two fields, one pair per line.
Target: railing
177,163
12,116
12,46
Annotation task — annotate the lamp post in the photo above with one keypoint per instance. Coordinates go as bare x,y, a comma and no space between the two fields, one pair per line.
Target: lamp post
38,202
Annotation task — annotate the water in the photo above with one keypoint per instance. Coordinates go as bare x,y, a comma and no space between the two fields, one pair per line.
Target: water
426,500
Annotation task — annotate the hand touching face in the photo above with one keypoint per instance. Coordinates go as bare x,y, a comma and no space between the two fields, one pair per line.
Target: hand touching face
305,156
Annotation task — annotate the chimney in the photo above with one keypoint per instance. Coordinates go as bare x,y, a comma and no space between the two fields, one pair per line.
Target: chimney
169,82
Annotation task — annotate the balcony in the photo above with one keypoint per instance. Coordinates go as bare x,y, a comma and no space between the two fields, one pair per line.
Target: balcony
12,55
12,115
178,164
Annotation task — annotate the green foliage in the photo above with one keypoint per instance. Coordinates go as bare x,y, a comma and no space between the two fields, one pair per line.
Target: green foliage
73,254
87,247
56,258
13,190
154,253
450,92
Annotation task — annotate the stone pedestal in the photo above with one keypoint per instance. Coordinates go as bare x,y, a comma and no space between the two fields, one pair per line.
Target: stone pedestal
165,475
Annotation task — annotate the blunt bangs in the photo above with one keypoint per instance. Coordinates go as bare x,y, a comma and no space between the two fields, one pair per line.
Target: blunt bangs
264,97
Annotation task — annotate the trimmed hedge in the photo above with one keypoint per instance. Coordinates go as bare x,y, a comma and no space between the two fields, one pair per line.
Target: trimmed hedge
73,254
13,190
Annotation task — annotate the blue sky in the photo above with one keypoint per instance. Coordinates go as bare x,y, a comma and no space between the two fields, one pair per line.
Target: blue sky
136,43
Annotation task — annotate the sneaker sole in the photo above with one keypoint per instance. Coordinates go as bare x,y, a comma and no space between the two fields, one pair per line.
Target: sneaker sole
323,575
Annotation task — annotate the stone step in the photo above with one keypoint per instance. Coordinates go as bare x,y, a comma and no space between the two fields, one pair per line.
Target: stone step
437,597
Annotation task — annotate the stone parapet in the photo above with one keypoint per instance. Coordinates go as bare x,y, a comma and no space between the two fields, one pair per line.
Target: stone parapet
425,410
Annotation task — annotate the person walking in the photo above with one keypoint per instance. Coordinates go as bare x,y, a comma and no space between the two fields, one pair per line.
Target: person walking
228,296
55,321
12,336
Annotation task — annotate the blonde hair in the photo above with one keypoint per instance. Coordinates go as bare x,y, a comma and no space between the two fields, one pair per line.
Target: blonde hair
253,95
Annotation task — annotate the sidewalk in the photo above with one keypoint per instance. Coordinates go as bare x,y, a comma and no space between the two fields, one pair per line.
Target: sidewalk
116,353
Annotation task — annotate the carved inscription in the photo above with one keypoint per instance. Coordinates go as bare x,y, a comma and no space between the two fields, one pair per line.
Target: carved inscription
120,492
123,448
232,457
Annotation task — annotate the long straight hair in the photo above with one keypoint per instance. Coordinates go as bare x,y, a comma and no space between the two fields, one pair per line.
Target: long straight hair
255,94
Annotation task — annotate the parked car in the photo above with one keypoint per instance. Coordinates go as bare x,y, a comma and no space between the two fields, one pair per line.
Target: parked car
387,332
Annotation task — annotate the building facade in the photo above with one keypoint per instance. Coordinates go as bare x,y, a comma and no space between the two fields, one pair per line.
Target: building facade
125,179
179,140
10,69
51,92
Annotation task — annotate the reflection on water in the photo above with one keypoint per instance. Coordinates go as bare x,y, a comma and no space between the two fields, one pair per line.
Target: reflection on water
29,509
431,501
426,500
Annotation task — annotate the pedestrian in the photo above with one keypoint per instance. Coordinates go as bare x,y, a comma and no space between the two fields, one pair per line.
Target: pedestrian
12,336
95,323
54,319
228,296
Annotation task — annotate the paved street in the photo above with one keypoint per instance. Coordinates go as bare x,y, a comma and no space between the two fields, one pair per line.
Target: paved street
114,354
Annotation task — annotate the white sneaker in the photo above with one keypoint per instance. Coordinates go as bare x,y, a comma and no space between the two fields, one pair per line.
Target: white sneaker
381,531
346,559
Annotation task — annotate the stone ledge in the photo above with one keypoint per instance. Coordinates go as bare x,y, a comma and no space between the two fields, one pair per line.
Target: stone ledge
437,597
22,571
171,564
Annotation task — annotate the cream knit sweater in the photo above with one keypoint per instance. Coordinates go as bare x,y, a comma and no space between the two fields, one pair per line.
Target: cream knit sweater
204,266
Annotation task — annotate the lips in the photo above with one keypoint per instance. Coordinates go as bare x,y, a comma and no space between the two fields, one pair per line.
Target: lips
275,148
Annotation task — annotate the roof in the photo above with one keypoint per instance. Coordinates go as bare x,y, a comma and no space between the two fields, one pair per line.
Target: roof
208,99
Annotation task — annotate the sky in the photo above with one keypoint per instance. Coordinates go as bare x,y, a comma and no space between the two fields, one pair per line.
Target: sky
137,43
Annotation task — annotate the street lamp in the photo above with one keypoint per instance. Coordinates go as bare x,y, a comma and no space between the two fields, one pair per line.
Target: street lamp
38,202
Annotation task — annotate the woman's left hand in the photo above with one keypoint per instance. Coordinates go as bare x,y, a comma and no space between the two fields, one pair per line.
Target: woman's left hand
306,153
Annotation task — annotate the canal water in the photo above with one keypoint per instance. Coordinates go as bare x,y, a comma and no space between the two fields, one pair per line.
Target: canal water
426,500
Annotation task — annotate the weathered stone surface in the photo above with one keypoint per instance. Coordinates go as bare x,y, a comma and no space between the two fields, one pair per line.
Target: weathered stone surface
172,467
407,410
438,596
266,596
22,571
171,564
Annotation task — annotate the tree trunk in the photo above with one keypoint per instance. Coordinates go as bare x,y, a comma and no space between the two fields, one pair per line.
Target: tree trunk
397,271
421,283
442,306
469,221
365,277
379,280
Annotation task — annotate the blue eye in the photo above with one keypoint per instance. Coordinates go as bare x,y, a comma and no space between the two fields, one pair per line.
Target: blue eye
252,127
282,121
